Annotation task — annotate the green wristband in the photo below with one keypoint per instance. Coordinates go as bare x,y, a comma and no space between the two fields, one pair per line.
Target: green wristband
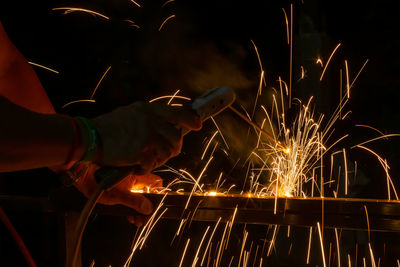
93,139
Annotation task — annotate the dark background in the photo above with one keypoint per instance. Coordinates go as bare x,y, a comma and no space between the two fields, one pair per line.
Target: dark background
206,45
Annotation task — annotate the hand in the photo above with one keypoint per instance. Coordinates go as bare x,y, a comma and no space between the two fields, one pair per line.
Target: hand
121,193
143,134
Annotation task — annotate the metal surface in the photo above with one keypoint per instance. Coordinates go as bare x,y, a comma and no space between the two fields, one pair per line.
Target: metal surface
341,213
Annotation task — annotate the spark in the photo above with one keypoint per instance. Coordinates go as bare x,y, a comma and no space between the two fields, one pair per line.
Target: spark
319,61
167,2
271,245
170,96
377,138
327,63
340,92
43,67
322,245
337,246
180,226
287,26
347,78
254,125
197,181
173,96
302,74
309,245
101,79
146,230
243,244
209,241
220,132
211,193
134,2
370,127
221,245
366,215
78,101
385,166
346,179
230,263
259,61
132,23
184,252
231,225
363,66
208,144
75,9
165,21
198,250
372,255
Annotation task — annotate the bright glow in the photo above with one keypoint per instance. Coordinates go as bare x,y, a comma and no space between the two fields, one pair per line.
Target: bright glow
137,190
211,193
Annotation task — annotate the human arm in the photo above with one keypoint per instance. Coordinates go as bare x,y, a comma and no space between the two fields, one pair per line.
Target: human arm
33,136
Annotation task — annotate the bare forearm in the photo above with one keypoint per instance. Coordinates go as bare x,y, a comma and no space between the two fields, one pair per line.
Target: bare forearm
32,140
18,81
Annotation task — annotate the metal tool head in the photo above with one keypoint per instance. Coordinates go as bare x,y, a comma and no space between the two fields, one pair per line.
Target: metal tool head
213,102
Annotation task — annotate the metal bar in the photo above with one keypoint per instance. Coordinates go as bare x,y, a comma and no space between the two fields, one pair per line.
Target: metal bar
384,215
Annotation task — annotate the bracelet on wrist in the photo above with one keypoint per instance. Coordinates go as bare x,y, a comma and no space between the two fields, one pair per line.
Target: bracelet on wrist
93,140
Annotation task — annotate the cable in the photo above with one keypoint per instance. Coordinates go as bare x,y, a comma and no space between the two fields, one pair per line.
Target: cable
17,238
82,221
106,180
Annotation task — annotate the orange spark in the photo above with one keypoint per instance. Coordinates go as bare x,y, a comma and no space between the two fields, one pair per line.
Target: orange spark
132,23
101,79
184,252
329,59
347,78
287,26
77,101
370,127
337,246
134,2
166,3
366,215
322,245
165,21
169,96
43,67
319,61
309,245
75,9
363,66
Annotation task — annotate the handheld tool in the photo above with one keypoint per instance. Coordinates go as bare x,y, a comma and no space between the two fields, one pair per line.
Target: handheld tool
207,105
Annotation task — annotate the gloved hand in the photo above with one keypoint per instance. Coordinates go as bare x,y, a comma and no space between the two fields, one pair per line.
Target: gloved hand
121,193
143,134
